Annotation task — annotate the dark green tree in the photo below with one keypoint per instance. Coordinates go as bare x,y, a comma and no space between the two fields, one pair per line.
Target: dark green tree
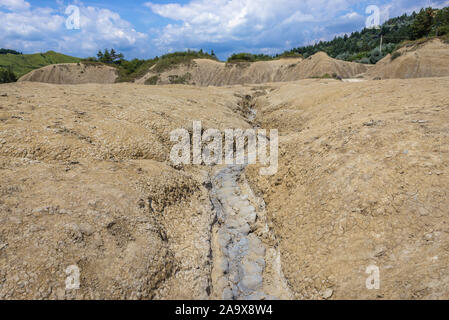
100,55
422,25
442,22
6,75
110,56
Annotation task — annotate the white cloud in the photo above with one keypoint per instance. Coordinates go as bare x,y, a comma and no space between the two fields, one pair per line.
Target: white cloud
223,25
42,29
14,4
249,23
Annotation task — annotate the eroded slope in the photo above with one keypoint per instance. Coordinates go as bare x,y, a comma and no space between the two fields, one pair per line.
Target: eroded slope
85,181
363,180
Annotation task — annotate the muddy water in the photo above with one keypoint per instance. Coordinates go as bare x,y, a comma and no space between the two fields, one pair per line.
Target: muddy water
246,262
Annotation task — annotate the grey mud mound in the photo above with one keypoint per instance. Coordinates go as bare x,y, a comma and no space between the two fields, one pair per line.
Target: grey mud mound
241,259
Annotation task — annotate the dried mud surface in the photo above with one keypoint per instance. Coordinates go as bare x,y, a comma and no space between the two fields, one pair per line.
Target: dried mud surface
362,180
85,179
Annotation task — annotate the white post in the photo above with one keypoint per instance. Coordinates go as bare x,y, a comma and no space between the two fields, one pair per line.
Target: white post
381,38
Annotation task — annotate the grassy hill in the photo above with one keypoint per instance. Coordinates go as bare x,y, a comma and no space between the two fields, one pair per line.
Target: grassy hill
21,64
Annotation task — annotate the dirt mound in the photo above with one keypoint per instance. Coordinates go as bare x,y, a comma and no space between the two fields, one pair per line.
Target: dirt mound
362,181
320,64
73,73
419,60
205,72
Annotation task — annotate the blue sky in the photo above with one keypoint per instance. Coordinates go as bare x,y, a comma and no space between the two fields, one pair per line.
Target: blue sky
146,28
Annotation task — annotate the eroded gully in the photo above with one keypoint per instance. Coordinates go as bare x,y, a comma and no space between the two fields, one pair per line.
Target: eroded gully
246,262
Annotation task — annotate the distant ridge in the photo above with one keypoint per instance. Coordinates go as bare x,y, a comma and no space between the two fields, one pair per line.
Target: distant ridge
21,64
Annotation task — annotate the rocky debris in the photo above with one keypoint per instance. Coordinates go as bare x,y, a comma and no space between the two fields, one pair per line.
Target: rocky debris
372,123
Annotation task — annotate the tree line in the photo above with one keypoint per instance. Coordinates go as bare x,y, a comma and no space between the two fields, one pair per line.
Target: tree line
10,51
364,46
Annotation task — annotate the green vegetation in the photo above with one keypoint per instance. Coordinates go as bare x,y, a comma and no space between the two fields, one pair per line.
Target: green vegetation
21,64
171,60
249,57
174,79
328,76
395,55
110,56
152,81
289,55
364,46
6,51
134,69
137,68
6,75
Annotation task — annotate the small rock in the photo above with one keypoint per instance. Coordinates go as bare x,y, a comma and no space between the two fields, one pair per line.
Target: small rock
369,124
86,229
328,293
379,251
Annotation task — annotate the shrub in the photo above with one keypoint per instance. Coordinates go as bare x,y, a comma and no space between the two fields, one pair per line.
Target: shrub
249,57
375,56
171,60
152,81
365,60
6,51
343,56
395,55
290,55
174,79
6,76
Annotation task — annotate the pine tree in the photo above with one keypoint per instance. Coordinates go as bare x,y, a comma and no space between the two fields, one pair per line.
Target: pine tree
100,55
422,25
442,22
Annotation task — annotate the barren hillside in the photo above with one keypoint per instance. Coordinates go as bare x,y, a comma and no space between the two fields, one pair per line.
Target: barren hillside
363,180
416,60
205,72
72,73
85,179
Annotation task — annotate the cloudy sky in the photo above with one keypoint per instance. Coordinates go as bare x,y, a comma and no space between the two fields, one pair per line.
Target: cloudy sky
144,29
